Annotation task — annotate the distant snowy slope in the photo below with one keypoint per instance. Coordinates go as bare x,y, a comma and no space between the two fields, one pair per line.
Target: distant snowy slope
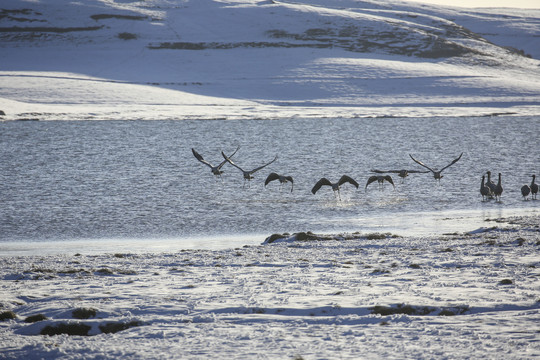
204,24
267,53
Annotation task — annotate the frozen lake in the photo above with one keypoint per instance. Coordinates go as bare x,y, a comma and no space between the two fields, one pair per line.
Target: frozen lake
136,184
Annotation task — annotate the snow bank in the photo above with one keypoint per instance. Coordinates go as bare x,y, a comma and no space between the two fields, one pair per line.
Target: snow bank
353,296
264,59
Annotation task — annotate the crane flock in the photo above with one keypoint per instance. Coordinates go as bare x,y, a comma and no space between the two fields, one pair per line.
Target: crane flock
488,189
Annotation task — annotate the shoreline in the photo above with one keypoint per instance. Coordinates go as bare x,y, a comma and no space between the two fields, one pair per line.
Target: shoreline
255,111
424,225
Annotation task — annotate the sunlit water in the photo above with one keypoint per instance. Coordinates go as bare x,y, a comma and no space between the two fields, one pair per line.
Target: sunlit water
71,186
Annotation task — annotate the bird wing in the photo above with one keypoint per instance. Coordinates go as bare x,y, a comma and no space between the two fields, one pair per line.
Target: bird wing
388,171
348,179
230,156
398,171
260,167
422,164
230,161
407,171
389,179
289,178
417,171
321,182
484,190
452,163
370,180
200,158
273,176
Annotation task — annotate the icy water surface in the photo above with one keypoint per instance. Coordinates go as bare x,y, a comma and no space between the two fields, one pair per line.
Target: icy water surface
139,180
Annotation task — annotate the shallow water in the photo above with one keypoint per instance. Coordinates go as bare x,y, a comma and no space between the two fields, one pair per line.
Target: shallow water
92,180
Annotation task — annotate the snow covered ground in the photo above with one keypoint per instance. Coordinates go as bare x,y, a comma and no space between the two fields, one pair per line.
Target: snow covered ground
206,59
353,296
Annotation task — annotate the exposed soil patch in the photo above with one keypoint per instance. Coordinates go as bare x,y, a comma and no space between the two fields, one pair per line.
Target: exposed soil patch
50,29
114,327
115,16
68,329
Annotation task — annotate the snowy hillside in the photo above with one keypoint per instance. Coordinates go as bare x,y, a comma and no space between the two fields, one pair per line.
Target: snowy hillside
239,58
